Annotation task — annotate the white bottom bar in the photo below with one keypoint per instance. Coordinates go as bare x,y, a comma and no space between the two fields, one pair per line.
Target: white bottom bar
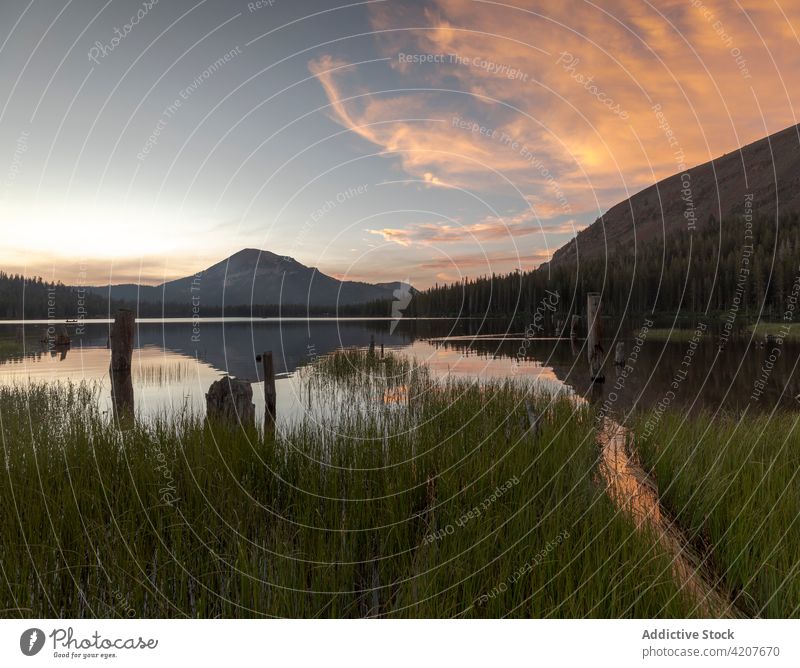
404,644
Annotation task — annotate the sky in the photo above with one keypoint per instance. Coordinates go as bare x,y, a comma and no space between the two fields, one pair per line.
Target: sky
386,140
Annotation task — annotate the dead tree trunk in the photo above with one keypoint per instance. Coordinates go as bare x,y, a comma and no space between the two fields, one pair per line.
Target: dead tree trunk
594,345
120,366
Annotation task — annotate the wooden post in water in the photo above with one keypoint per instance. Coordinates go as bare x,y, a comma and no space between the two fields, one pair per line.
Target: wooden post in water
594,346
230,401
120,366
372,345
573,330
619,354
269,391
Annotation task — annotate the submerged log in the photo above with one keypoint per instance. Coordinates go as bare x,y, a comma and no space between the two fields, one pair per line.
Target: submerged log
230,401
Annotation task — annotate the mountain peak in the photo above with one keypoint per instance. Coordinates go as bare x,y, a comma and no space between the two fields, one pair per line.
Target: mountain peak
250,254
255,276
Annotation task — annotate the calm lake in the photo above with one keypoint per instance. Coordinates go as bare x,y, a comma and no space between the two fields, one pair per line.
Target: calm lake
176,360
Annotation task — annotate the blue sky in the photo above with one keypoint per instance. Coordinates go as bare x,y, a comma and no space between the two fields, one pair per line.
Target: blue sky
378,141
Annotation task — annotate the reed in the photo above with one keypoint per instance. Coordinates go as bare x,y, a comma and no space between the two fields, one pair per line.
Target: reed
438,502
146,375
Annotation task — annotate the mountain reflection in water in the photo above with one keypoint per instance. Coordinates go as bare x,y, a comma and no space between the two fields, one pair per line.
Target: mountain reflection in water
176,361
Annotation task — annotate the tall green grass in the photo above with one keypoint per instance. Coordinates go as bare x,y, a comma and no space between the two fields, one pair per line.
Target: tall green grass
733,484
413,498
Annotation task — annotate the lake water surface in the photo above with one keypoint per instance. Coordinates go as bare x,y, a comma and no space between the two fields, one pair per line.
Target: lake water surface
175,361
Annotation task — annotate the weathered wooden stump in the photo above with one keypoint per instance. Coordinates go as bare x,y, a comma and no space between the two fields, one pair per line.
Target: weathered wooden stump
270,395
120,366
122,340
594,346
230,401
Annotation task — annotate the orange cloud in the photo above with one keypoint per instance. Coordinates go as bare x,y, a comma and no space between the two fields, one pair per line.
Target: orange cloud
484,263
558,98
491,229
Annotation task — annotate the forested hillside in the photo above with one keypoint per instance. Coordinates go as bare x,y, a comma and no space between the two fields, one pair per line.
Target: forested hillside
739,265
22,297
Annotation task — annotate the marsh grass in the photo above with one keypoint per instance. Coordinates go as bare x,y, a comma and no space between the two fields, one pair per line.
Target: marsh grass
733,485
163,374
438,503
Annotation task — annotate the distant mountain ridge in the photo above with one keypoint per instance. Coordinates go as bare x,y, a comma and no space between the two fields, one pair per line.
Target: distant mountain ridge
256,277
766,172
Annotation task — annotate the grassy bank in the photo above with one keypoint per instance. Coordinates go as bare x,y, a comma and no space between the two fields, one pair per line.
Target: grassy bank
676,335
411,499
786,330
733,485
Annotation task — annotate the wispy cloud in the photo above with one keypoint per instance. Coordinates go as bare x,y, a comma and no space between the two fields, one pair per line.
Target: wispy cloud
713,68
